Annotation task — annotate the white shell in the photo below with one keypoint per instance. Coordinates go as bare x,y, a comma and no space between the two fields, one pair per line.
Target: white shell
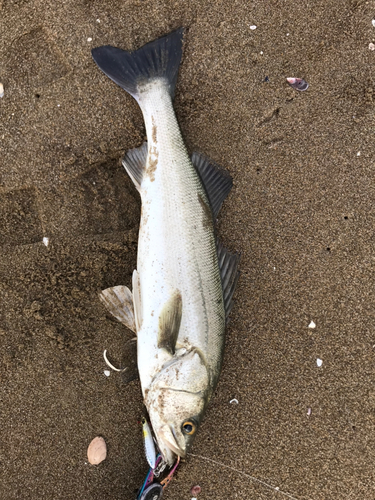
97,451
312,325
319,362
1,90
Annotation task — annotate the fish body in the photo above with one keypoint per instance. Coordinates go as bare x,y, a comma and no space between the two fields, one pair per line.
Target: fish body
184,282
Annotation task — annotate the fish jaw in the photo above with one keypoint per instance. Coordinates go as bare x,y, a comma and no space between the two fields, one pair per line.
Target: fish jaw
170,449
178,395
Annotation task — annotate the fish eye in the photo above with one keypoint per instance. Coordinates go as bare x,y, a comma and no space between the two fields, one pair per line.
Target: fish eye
189,427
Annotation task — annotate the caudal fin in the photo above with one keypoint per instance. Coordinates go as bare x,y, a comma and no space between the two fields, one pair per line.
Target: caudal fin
158,59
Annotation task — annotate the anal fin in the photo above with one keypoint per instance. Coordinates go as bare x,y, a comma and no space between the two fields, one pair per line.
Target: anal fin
169,322
134,163
119,302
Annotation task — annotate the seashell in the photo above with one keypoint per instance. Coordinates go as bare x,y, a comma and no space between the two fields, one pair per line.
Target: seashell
298,83
195,490
97,451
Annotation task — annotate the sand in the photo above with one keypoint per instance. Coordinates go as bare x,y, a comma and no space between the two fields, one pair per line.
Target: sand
301,213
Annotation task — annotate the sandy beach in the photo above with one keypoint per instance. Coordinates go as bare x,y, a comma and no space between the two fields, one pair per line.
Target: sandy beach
301,213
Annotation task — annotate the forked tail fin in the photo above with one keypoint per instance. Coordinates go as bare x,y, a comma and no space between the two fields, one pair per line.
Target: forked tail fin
158,59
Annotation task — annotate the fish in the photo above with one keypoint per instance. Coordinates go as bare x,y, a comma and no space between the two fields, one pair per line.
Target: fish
183,286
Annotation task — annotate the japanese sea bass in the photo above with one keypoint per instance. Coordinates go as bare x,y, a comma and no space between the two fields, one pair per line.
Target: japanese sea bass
184,281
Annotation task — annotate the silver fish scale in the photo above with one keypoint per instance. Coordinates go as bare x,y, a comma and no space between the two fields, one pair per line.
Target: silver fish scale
177,248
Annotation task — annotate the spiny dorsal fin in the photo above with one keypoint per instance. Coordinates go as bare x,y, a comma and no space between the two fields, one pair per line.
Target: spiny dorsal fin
169,322
228,264
135,164
216,180
119,302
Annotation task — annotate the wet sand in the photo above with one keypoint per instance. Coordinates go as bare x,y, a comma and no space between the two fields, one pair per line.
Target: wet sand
301,213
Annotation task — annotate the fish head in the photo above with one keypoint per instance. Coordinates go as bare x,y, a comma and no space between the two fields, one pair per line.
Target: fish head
176,401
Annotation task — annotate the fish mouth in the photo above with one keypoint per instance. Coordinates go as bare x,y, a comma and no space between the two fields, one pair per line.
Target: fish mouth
167,437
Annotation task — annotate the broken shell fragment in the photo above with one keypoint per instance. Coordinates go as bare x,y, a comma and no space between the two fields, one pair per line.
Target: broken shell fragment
298,83
1,90
97,451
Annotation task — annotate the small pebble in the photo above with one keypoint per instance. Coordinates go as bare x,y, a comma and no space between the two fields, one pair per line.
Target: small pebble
195,490
308,412
359,153
319,362
373,23
312,325
97,451
253,27
46,241
98,20
89,39
107,373
371,46
1,90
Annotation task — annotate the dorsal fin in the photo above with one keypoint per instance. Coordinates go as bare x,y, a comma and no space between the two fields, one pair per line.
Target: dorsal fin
169,322
228,264
215,179
135,163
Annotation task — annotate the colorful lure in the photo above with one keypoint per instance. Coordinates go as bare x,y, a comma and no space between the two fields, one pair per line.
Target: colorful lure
151,488
149,444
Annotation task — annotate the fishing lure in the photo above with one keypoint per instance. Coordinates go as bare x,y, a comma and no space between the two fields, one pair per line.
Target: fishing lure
149,445
152,489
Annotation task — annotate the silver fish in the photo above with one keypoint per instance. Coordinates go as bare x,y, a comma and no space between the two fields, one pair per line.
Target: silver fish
184,281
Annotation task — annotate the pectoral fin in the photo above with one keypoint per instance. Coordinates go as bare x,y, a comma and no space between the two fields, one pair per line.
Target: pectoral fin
119,302
169,322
